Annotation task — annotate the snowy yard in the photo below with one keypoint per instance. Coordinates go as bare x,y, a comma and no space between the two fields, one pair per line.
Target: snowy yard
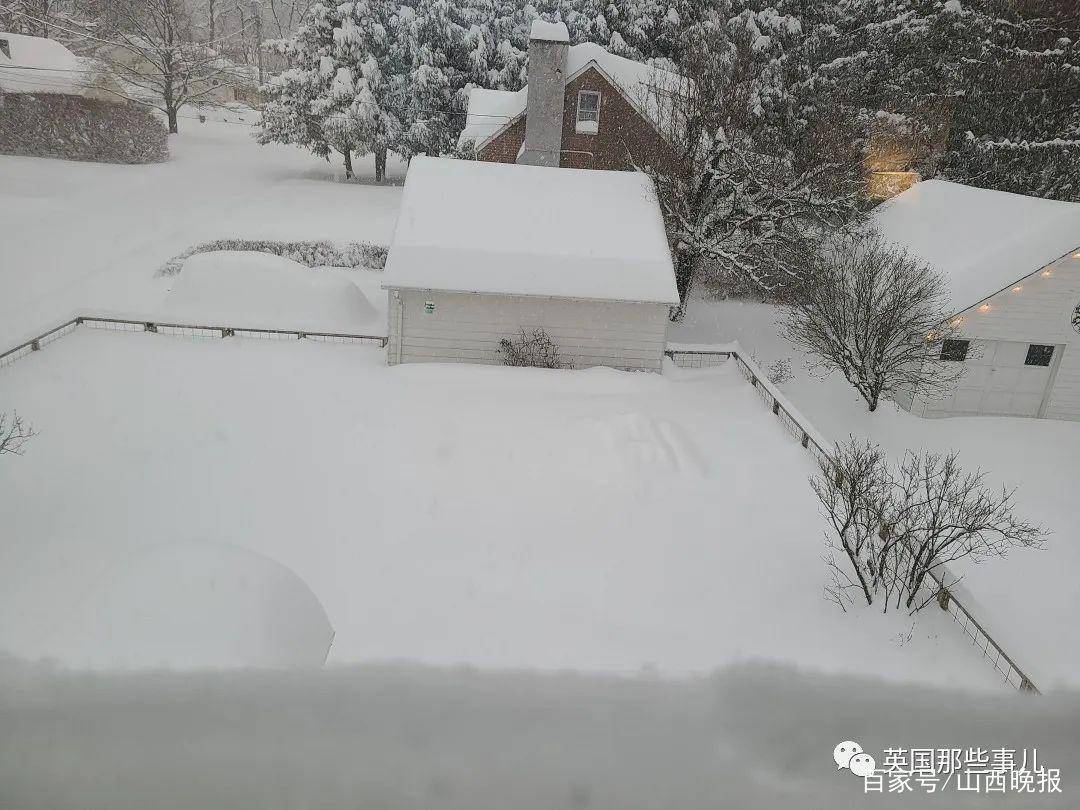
503,518
79,237
1028,601
599,521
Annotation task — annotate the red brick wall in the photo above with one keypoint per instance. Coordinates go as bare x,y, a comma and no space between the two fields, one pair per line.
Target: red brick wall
622,132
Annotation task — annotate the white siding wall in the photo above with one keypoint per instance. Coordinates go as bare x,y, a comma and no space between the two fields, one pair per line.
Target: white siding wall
467,328
1040,312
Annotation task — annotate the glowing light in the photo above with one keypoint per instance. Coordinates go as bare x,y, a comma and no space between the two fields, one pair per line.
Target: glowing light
957,321
984,308
1018,288
1076,255
884,185
1047,273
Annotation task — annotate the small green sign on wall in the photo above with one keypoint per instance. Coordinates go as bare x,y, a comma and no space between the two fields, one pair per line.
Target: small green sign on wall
429,307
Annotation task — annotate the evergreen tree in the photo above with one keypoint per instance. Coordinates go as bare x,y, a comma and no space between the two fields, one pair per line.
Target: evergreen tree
435,48
369,45
307,105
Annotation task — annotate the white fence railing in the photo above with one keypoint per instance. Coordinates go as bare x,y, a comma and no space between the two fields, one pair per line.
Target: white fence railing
801,429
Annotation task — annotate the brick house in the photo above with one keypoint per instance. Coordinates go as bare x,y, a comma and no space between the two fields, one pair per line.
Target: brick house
583,108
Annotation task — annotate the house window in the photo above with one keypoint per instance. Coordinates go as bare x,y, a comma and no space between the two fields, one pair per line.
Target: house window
588,112
1039,355
955,350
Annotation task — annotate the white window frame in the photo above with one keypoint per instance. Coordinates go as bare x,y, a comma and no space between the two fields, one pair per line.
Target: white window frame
588,125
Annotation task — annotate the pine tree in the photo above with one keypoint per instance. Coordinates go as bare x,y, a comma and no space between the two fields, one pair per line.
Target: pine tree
369,45
307,104
435,50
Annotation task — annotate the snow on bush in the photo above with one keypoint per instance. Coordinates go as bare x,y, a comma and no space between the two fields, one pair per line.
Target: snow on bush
76,128
312,254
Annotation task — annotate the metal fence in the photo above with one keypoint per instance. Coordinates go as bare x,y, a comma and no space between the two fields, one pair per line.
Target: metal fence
179,329
947,599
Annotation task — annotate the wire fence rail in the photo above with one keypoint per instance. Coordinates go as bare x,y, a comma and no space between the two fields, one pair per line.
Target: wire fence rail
180,329
800,429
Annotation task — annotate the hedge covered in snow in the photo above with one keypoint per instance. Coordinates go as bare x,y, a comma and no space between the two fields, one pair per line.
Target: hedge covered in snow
313,254
76,128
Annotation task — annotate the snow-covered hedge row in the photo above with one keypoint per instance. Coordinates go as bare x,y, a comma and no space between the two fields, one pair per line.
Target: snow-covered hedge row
76,128
313,254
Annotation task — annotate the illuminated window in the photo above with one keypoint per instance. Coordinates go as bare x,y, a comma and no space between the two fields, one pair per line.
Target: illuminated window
955,350
1039,355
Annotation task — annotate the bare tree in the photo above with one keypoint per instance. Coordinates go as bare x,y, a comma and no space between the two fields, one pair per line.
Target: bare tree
154,50
855,487
32,17
287,14
899,529
944,514
14,433
879,316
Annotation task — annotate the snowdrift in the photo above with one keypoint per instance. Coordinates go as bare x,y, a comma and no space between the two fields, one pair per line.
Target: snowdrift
261,290
197,605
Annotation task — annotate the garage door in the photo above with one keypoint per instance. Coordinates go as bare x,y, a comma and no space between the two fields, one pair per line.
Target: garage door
1001,378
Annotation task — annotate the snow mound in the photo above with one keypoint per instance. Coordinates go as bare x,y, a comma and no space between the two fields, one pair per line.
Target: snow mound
472,226
262,290
197,605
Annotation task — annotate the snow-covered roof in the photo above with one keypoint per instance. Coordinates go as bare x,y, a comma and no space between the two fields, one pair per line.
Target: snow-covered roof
473,226
552,32
491,110
39,65
982,241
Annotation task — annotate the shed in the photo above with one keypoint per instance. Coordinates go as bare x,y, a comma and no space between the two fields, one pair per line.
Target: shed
1012,266
484,250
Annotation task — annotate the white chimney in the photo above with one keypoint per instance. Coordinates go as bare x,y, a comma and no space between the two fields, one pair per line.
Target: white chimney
548,45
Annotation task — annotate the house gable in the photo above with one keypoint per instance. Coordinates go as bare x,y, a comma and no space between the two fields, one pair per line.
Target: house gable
625,135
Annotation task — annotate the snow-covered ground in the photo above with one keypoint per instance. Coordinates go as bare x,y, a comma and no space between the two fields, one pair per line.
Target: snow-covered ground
81,237
503,518
593,520
758,737
1030,600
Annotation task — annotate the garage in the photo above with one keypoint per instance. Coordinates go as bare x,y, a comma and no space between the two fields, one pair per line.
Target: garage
1000,378
485,254
1011,271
